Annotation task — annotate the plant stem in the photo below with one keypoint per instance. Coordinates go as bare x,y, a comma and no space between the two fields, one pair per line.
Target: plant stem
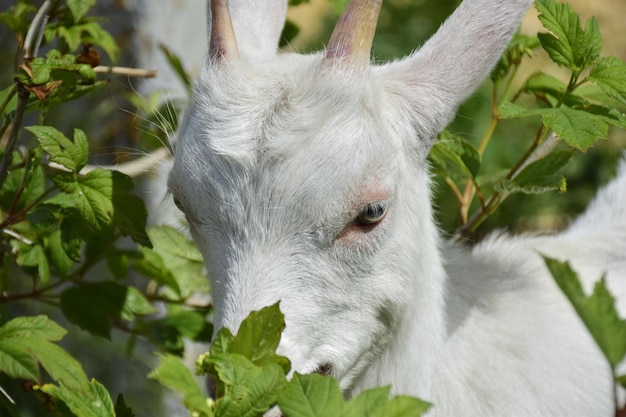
8,98
7,158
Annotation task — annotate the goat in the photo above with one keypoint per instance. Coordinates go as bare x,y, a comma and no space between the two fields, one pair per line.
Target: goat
304,179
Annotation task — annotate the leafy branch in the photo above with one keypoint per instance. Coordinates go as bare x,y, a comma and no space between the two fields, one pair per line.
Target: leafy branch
567,115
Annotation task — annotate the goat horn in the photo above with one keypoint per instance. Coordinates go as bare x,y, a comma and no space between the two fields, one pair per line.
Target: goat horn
353,36
223,42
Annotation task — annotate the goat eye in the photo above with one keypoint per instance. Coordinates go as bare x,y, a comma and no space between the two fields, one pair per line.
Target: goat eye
372,214
179,204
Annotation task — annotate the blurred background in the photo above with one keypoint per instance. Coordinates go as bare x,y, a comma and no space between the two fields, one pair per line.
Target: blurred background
121,123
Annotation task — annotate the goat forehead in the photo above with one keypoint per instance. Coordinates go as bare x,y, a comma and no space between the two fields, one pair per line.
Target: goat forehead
252,133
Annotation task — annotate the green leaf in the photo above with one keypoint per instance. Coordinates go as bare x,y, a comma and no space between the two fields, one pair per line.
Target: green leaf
609,74
176,64
104,200
95,306
180,324
72,155
172,373
151,266
136,304
98,36
597,311
452,155
78,8
540,176
568,44
92,400
244,389
578,128
259,335
542,84
311,396
26,341
121,409
181,258
376,403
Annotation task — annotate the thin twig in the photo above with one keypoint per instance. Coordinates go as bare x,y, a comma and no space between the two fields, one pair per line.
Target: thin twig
135,168
130,72
6,394
34,26
18,237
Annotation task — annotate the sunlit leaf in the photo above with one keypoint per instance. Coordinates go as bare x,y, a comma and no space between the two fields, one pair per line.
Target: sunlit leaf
92,400
80,7
455,157
72,155
173,373
540,176
597,311
609,74
26,341
568,44
248,389
311,396
578,128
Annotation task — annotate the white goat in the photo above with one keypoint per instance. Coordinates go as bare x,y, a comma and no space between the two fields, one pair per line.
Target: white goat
304,180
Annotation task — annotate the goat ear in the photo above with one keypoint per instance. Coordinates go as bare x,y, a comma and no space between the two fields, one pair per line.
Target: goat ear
453,62
257,25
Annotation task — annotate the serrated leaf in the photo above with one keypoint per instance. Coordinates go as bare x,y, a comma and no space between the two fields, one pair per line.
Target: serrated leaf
540,176
542,84
597,311
172,373
72,155
136,304
179,325
26,341
95,306
98,36
609,74
578,128
176,64
78,8
452,154
568,45
92,401
121,409
376,403
181,258
151,266
259,335
34,256
248,390
404,406
103,197
311,396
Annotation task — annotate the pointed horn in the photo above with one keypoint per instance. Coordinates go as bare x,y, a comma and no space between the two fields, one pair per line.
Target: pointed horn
223,42
352,38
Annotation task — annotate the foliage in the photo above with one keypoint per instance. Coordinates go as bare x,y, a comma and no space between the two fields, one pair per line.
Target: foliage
250,379
72,235
572,117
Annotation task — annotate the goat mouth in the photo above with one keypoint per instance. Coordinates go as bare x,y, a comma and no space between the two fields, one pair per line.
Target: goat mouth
325,369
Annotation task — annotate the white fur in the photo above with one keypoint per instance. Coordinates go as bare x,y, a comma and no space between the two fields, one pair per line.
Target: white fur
278,155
